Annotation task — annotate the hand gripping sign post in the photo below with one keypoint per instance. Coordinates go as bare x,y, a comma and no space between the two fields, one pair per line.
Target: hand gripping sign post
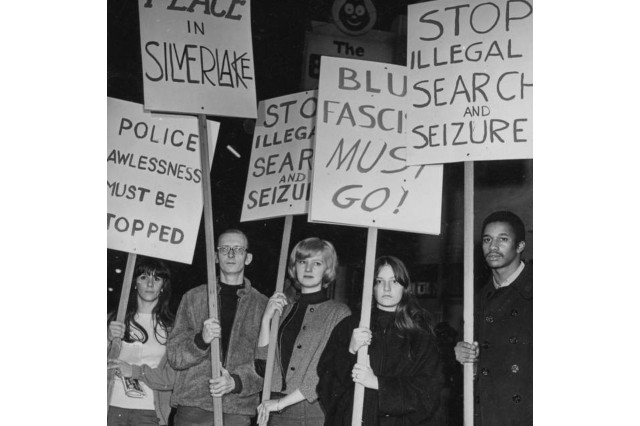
470,79
197,58
280,178
360,176
153,188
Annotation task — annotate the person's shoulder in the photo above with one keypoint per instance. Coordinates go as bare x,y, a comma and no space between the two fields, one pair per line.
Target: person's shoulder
338,306
196,292
257,294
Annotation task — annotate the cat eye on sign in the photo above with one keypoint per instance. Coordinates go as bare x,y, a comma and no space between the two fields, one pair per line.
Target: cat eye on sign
237,250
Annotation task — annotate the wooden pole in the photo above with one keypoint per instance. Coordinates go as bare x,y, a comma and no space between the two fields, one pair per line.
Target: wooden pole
116,344
212,287
275,321
468,289
365,319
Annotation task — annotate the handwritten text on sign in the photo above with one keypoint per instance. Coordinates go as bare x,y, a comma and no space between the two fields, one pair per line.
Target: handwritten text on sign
471,81
197,57
360,176
154,190
280,170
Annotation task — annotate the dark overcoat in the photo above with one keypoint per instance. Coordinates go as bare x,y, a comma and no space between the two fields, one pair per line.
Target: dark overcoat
409,385
504,330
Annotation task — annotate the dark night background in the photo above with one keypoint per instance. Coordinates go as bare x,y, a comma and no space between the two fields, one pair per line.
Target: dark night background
278,41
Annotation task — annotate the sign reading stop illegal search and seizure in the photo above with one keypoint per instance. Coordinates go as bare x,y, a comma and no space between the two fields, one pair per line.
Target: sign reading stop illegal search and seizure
470,80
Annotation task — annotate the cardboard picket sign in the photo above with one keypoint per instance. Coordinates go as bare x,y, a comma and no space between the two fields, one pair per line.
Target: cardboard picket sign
470,81
360,176
154,179
198,57
279,178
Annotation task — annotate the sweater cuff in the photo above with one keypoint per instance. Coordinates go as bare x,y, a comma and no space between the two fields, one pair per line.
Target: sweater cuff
238,382
199,341
136,371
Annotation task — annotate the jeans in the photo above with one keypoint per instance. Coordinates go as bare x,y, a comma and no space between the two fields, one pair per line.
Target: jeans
194,416
126,417
303,413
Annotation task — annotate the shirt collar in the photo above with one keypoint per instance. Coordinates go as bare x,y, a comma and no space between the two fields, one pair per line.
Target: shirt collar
511,278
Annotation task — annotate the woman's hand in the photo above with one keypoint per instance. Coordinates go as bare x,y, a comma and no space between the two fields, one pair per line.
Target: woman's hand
122,368
211,330
363,374
265,408
115,330
276,303
361,336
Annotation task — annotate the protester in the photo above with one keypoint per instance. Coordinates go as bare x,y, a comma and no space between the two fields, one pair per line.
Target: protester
147,323
305,327
504,325
404,379
240,312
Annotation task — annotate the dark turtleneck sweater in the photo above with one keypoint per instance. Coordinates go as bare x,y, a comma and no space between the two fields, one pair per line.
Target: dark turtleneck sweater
288,332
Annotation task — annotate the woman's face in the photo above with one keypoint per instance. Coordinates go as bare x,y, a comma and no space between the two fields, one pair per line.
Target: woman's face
149,287
309,273
387,291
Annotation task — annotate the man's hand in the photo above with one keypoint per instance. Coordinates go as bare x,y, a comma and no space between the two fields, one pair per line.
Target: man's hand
211,330
223,384
467,352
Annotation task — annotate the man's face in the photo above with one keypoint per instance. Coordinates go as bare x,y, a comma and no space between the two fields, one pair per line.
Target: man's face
233,261
499,246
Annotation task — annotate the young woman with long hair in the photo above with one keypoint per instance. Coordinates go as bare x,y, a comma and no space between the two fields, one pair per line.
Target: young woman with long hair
143,355
404,378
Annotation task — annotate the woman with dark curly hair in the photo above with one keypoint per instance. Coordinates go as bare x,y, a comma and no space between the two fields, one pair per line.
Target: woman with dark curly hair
143,359
404,378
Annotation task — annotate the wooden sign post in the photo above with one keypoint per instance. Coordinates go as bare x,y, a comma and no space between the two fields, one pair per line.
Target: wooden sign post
212,287
116,344
275,321
365,319
468,289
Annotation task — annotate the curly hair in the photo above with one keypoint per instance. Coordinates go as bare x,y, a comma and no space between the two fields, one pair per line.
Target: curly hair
310,247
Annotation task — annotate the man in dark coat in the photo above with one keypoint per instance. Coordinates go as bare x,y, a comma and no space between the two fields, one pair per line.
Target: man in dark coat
504,328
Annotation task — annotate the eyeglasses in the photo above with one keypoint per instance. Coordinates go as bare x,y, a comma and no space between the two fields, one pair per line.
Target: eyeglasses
237,250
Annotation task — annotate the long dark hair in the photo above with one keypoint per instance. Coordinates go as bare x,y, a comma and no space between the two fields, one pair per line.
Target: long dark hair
162,317
411,319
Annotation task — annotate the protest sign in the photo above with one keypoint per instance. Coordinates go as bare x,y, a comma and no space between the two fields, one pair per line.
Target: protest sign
360,176
279,179
197,57
470,81
154,195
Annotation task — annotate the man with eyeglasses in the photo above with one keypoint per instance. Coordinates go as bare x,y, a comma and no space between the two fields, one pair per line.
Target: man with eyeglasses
188,347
